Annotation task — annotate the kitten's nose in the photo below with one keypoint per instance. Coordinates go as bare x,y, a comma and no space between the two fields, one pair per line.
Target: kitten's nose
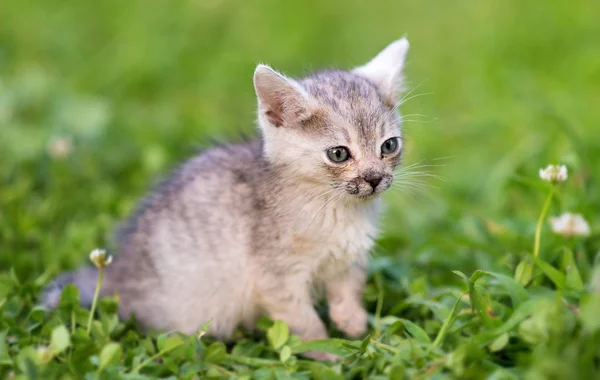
373,180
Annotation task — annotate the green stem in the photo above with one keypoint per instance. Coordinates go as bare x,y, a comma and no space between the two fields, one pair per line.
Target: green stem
379,306
448,322
153,357
95,300
255,362
538,230
223,370
389,348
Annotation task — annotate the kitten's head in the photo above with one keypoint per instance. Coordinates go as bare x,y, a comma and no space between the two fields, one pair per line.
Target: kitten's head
338,129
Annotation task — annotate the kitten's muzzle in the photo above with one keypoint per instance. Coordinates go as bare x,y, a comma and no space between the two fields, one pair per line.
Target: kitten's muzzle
369,185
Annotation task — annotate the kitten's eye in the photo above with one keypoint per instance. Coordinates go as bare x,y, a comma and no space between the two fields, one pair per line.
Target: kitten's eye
389,146
338,154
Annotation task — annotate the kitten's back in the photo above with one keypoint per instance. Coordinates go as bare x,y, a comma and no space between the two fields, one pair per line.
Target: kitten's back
178,241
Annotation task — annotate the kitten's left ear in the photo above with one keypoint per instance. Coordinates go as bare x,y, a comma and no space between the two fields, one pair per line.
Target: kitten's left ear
385,70
282,101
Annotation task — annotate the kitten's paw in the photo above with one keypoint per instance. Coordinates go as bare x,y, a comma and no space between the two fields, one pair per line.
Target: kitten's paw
351,320
322,356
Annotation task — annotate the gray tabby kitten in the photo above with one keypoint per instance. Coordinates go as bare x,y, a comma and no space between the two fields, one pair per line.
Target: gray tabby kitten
254,229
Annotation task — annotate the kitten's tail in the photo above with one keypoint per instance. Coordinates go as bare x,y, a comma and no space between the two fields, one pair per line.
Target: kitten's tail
84,279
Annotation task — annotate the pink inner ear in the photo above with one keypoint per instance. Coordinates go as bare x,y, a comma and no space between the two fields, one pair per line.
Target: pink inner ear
274,118
284,107
274,108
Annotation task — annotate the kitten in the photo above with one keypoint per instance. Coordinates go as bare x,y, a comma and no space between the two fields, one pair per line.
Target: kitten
253,229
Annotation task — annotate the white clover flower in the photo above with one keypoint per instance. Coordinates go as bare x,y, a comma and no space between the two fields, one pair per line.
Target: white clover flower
60,147
44,354
100,258
570,225
554,173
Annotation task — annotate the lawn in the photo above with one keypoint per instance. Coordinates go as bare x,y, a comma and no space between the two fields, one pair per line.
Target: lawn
99,100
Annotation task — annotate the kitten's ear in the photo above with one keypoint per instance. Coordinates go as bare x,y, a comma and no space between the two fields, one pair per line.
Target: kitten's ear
385,70
281,100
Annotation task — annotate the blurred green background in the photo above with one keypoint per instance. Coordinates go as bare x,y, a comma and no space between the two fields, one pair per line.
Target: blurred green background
98,100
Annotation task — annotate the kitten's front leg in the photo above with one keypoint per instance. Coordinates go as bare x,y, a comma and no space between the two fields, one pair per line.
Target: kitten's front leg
344,296
287,298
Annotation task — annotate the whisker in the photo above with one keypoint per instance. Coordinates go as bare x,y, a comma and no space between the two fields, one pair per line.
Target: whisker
413,183
327,202
399,102
418,165
414,96
417,186
443,158
414,188
418,121
406,97
403,117
425,173
418,176
310,197
415,163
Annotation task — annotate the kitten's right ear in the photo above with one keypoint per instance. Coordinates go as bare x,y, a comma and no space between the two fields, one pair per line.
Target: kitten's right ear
385,70
280,100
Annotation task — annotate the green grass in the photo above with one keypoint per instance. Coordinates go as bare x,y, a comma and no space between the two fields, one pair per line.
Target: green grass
506,87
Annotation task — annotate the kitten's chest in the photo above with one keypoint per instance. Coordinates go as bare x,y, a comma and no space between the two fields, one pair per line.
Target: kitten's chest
338,237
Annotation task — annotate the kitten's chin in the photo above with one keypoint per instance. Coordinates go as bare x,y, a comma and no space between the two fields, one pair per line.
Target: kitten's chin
365,197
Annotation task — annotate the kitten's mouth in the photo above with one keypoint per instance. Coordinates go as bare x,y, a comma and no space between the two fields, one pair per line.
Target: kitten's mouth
365,193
